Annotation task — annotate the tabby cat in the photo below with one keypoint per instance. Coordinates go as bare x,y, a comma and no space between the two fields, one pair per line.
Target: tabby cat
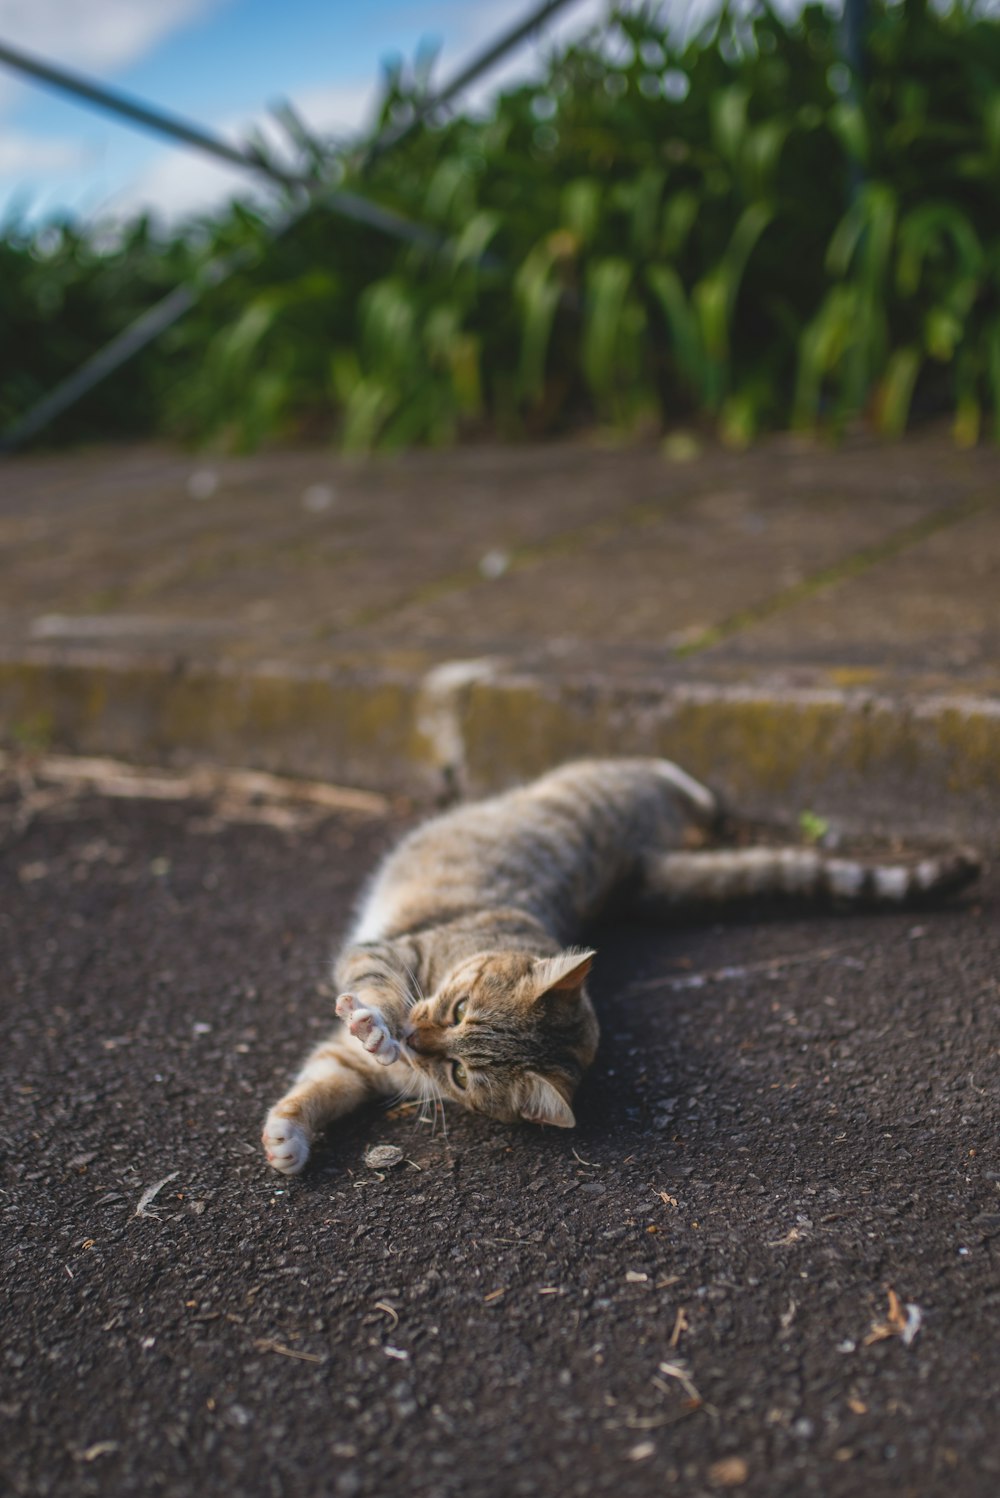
459,980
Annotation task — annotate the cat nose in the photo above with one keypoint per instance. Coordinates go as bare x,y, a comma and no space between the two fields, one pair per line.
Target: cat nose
425,1040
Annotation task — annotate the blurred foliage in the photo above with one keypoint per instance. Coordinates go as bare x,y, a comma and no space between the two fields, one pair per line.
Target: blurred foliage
726,228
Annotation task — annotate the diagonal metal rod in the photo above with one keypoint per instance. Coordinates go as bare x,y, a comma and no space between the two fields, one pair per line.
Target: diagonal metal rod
347,205
159,121
113,355
481,63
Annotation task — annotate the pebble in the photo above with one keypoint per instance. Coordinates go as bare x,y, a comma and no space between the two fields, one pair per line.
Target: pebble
383,1156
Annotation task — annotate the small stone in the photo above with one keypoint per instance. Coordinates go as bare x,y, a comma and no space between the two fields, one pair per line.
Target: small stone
203,483
317,497
383,1156
641,1452
494,564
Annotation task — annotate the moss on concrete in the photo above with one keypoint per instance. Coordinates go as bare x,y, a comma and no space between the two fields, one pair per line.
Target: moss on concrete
834,752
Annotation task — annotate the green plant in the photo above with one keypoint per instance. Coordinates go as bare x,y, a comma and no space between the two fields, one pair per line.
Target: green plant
725,228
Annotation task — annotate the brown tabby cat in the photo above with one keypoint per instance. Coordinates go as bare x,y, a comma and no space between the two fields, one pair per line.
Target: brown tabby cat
457,981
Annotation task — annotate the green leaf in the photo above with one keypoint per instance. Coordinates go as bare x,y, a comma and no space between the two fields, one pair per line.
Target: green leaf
897,391
608,286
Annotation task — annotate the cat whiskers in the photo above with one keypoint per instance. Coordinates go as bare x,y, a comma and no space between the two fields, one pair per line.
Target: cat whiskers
421,1088
439,1110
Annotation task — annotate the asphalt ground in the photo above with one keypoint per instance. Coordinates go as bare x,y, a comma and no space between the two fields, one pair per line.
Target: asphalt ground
766,1261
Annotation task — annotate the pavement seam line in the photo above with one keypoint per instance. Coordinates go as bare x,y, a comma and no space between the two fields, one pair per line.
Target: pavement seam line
561,544
855,565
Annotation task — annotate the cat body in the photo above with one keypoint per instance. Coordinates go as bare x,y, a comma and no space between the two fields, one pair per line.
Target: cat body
460,978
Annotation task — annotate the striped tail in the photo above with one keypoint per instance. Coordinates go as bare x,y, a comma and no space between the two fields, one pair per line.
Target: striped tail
727,876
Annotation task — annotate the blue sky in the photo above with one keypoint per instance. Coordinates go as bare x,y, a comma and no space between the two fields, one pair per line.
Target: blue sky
219,62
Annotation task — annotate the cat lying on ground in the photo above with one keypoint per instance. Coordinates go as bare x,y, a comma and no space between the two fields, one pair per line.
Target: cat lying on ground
458,981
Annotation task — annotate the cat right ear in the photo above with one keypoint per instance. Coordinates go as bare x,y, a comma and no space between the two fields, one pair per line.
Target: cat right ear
564,974
540,1102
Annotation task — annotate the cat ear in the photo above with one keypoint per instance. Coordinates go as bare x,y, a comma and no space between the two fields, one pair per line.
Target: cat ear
564,973
540,1102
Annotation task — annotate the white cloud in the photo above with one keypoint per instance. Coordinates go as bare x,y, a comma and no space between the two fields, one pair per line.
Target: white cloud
20,154
95,33
90,35
339,109
178,182
102,35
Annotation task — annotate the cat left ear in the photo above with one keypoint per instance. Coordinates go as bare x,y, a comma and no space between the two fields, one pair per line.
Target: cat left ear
540,1102
565,973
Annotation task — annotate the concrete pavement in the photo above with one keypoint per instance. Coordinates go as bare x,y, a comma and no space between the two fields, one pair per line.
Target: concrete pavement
805,628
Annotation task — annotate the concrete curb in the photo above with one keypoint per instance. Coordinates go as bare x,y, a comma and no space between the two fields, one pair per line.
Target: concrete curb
856,755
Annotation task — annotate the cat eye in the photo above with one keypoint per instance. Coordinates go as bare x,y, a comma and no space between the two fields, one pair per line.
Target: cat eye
459,1075
459,1011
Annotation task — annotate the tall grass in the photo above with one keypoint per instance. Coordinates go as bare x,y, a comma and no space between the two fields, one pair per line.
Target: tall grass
728,230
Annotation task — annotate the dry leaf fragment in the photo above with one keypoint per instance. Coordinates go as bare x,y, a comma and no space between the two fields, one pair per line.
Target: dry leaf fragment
914,1321
99,1448
678,1370
150,1194
381,1305
728,1472
792,1236
901,1321
787,1317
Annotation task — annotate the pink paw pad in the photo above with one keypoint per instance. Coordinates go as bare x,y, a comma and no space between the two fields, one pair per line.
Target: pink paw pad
369,1029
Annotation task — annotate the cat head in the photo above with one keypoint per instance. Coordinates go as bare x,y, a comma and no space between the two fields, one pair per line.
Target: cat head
508,1035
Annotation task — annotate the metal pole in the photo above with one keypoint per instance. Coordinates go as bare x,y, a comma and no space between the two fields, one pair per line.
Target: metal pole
156,120
853,27
481,63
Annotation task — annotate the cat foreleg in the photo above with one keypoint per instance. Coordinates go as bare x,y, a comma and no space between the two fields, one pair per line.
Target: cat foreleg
332,1083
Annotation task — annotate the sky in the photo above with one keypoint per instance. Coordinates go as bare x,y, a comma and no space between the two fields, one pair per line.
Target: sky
219,63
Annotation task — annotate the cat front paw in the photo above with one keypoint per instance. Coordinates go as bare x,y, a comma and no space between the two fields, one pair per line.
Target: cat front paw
285,1144
369,1029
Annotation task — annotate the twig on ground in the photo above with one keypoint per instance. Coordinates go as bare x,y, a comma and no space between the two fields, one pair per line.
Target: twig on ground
267,1344
680,1326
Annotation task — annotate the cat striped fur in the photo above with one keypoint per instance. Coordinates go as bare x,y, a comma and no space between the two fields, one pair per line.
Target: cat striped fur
462,978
